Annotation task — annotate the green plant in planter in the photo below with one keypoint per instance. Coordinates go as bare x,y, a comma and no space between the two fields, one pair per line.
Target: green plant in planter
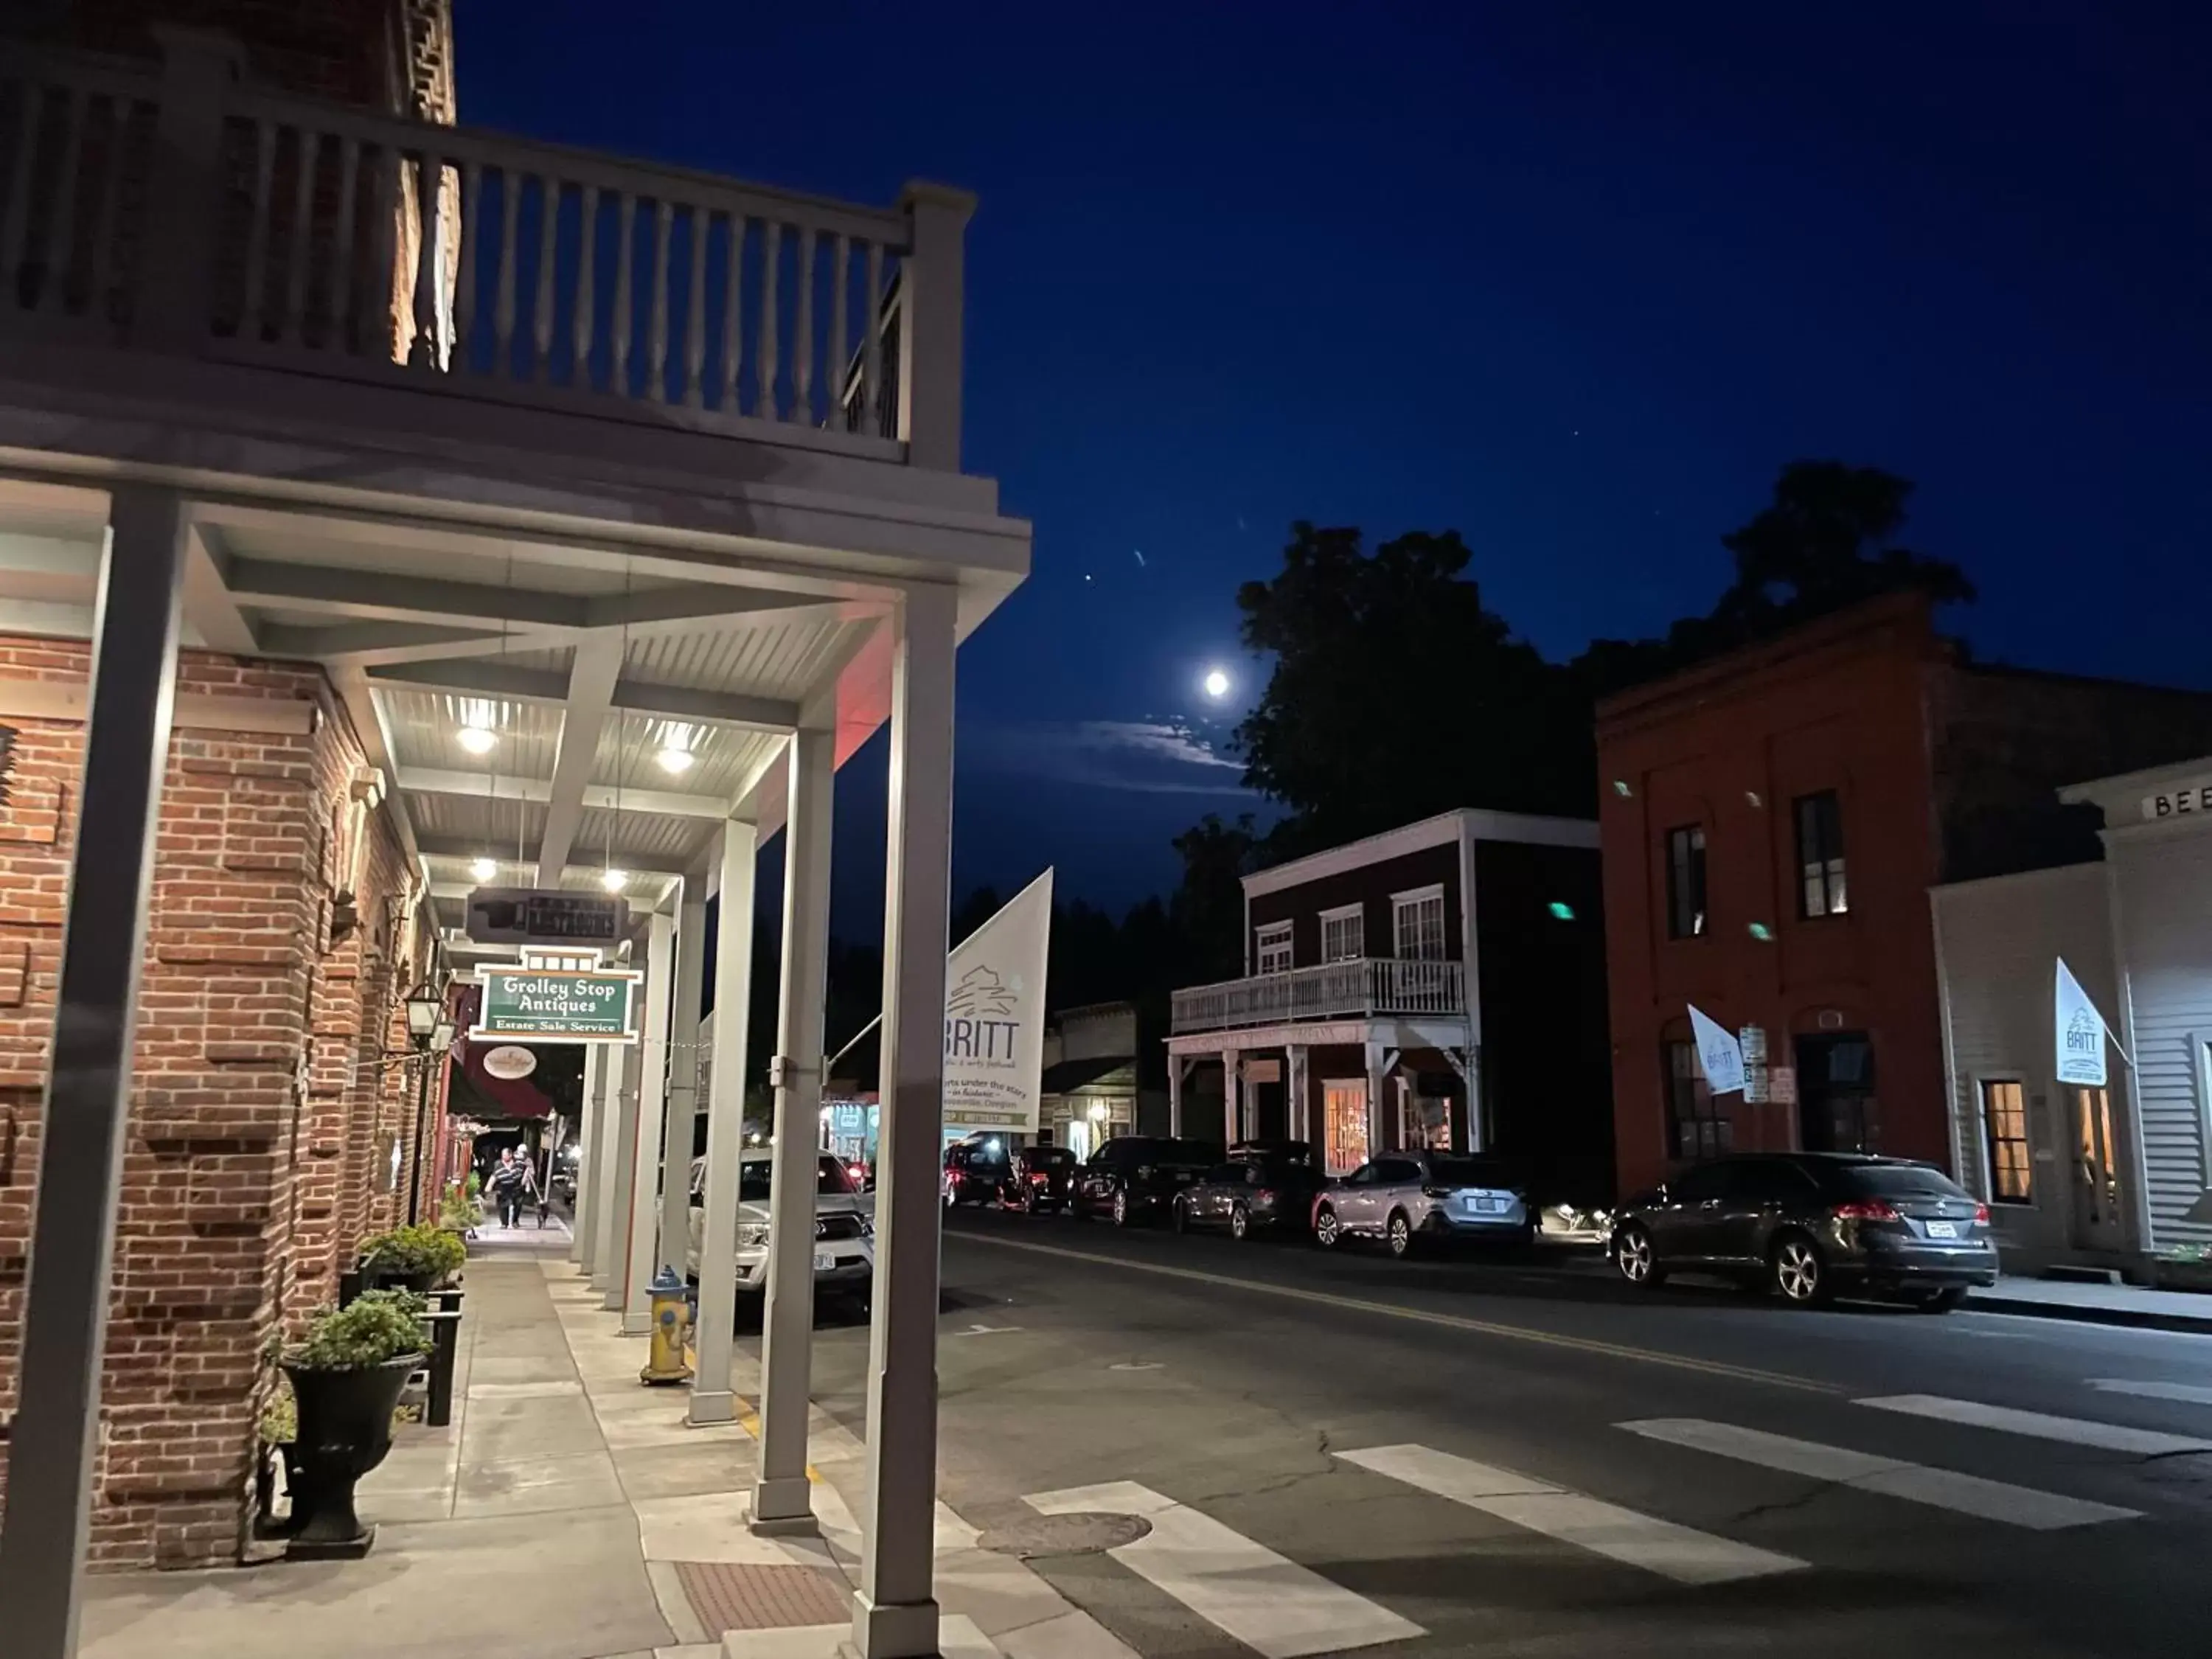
280,1416
373,1329
346,1376
419,1255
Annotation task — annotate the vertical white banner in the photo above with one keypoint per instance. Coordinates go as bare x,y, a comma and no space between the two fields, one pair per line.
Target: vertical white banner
2078,1030
994,1017
1720,1056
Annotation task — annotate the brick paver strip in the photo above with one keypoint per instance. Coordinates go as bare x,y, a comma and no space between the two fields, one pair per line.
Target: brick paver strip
729,1596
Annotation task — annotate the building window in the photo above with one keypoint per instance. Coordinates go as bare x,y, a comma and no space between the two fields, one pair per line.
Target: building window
1343,934
1697,1126
1273,947
1820,856
1685,882
1417,924
2004,1138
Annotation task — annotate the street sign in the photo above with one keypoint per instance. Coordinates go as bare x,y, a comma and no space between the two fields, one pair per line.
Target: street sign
1782,1084
540,915
540,1006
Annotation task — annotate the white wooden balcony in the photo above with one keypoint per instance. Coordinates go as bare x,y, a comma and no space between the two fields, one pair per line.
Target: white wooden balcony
1368,986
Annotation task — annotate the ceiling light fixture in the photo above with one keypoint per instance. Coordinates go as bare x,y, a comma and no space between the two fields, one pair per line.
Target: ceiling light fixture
478,740
674,758
614,880
484,869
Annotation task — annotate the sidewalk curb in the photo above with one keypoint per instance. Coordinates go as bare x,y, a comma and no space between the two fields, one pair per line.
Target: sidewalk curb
2143,1319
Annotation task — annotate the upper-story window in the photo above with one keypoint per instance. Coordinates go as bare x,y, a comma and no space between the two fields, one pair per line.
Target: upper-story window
1685,882
1417,924
1820,856
1272,947
1343,934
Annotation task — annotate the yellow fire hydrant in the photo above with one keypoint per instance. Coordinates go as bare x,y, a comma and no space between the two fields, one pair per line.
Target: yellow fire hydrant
672,1326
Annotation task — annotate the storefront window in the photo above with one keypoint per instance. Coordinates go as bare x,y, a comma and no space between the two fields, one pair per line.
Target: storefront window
2004,1134
1697,1126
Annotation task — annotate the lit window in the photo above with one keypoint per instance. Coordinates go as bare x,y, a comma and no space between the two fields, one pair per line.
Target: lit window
1685,882
1820,856
1343,934
1417,925
1697,1126
1271,945
2004,1135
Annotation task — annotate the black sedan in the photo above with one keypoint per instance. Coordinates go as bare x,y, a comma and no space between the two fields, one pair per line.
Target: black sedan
1249,1195
1043,1178
1809,1225
1135,1178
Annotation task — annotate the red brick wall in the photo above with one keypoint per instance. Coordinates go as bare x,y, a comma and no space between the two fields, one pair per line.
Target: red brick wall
234,1212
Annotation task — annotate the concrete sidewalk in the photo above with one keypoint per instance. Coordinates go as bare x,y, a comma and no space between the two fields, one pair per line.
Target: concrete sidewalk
569,1512
2096,1304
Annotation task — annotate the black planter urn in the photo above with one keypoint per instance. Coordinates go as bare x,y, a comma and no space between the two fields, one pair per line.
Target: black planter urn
345,1430
391,1279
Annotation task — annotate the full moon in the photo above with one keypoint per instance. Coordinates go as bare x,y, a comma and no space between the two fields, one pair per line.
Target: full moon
1216,682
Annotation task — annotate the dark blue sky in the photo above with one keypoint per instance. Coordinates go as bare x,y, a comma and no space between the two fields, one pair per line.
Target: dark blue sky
1573,279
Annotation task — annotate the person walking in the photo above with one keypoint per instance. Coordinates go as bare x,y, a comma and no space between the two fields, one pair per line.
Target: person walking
510,1182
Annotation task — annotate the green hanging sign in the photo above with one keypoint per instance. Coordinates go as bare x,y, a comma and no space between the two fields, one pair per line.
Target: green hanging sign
548,1006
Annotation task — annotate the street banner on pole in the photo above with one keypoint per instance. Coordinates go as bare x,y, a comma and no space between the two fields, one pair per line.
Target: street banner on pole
2079,1031
994,1017
1720,1056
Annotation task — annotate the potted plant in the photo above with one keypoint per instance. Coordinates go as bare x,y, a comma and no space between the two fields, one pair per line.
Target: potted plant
346,1378
411,1258
279,1427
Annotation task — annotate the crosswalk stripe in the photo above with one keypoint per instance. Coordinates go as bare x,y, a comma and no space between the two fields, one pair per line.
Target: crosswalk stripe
2188,1393
2077,1431
1264,1599
1890,1477
1681,1554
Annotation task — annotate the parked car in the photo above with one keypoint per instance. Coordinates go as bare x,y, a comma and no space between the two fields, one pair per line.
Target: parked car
1410,1198
844,1234
1043,1179
1135,1178
977,1170
1810,1225
1250,1195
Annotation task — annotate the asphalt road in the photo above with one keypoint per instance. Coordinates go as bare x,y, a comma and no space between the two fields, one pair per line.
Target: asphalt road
1565,1467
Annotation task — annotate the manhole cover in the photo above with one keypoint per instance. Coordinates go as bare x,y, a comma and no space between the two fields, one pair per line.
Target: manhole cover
1065,1534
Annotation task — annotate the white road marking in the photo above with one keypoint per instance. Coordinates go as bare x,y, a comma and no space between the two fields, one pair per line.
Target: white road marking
1265,1601
2188,1393
985,1330
1916,1483
2080,1431
1681,1554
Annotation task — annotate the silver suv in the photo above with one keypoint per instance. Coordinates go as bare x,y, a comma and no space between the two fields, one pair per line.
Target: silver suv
1405,1199
844,1228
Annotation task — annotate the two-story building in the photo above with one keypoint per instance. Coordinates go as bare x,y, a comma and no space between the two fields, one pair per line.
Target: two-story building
1097,1083
1772,821
1441,985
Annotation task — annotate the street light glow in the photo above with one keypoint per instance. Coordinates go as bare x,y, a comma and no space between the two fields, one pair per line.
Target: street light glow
1216,682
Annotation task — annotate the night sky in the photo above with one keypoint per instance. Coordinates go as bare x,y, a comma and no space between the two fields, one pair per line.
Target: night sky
1575,280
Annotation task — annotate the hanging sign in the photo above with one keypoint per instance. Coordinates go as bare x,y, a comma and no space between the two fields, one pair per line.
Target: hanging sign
2079,1031
994,1017
533,916
1720,1056
510,1061
541,1005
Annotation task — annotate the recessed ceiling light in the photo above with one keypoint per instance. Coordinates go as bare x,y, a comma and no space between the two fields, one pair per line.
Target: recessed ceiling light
478,740
484,869
614,880
673,759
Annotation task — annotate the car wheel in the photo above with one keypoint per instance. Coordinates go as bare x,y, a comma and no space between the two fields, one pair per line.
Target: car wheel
1638,1262
1240,1223
1181,1219
1399,1233
1941,1301
1797,1271
1122,1209
1327,1230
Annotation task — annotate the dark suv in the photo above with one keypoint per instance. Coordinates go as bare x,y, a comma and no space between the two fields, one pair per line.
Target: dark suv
1252,1192
1136,1177
1810,1225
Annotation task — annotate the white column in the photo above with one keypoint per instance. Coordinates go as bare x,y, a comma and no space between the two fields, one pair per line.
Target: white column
930,283
894,1609
1232,1099
679,1133
782,1501
1174,1094
610,1195
1374,1099
1297,1110
711,1400
646,1173
580,1235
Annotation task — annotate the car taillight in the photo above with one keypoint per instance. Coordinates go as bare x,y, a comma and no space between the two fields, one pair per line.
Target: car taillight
1865,1209
1039,1178
1265,1194
1981,1213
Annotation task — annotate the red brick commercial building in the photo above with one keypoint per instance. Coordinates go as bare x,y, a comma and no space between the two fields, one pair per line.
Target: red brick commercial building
1771,822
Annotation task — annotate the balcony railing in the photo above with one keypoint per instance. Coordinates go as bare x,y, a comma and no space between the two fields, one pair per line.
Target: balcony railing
175,207
1335,990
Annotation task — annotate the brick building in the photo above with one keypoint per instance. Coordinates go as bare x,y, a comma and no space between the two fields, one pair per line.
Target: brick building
1772,821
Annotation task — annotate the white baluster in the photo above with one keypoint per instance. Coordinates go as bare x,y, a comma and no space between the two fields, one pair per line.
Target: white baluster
541,313
110,192
626,213
342,270
802,335
502,310
733,332
656,338
695,322
839,329
430,174
764,358
471,255
17,225
587,261
294,326
871,376
61,235
257,241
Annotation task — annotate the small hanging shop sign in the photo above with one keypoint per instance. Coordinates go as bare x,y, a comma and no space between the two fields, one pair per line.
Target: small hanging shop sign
542,1005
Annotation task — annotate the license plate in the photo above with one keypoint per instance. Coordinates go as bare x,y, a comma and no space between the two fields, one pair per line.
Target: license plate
1942,1230
823,1261
1489,1205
